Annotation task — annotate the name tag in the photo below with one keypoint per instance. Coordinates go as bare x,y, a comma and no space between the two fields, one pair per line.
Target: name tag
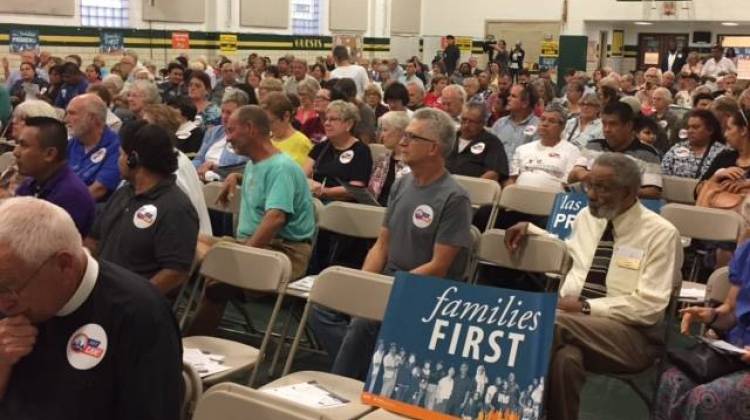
628,257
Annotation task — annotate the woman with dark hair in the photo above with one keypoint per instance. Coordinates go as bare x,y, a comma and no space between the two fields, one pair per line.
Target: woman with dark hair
396,96
498,104
463,71
439,82
692,157
28,84
199,89
189,134
573,93
319,72
93,74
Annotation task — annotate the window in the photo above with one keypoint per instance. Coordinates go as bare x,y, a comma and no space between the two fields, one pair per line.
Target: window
105,13
306,17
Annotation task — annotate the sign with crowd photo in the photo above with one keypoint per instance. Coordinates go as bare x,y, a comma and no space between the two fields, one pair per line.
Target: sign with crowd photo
180,41
568,205
111,42
24,40
453,350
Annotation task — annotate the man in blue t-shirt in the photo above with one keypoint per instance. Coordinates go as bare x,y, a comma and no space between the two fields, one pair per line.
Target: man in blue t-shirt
93,149
276,211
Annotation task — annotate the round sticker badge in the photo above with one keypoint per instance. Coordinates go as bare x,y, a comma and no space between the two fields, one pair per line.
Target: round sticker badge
346,157
99,155
145,216
682,152
423,216
530,130
477,148
87,347
663,123
683,134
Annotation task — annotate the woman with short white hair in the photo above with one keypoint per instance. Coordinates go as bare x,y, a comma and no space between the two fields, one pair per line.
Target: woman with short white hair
141,94
29,109
389,167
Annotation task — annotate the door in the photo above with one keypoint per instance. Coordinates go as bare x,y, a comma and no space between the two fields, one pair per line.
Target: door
652,47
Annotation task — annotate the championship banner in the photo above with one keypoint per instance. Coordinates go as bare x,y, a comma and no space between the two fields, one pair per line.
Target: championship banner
111,42
24,40
568,205
453,350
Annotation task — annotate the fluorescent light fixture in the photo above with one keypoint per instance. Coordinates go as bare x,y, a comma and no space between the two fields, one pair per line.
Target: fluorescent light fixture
730,24
642,23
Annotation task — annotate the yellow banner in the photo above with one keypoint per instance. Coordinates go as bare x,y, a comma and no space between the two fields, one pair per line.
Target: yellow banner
550,49
464,43
228,43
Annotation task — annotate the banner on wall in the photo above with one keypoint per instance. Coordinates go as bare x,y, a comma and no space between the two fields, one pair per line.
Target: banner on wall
464,43
451,350
111,42
618,43
228,43
180,41
24,40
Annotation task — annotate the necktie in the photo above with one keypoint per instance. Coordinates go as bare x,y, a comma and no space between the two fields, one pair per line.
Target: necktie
596,280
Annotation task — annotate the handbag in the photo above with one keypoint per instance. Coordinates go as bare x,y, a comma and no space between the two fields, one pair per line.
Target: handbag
712,195
703,363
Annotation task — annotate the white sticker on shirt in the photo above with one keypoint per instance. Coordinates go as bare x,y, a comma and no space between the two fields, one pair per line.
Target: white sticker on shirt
99,155
87,347
346,157
145,216
681,152
477,148
628,257
423,216
683,134
530,130
663,123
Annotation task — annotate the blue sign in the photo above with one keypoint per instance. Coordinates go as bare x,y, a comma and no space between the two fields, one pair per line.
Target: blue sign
111,42
568,205
449,349
24,40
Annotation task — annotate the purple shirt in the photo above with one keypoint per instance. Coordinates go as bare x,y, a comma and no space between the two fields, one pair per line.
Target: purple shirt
66,190
739,275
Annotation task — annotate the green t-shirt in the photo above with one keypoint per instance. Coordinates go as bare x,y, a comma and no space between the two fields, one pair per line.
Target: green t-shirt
277,183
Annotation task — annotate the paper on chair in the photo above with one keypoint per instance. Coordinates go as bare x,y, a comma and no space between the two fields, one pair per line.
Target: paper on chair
693,293
310,394
304,284
205,364
724,346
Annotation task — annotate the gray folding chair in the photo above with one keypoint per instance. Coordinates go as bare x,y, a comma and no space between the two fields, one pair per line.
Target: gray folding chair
229,401
482,192
352,219
6,160
193,391
353,292
679,190
252,269
529,200
718,285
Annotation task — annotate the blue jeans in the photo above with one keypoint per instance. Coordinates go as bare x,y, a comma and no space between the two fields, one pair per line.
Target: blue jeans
349,342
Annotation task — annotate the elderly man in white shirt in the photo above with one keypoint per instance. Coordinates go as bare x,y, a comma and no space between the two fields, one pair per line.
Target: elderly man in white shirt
717,64
626,260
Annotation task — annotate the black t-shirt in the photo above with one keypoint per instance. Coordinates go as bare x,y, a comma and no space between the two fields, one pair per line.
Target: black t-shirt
191,144
352,164
149,232
725,159
485,153
136,375
390,177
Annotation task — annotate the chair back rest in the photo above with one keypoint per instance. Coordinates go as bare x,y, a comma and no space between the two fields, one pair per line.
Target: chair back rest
353,292
704,223
678,189
193,390
537,254
377,151
249,268
718,285
318,207
6,160
482,192
529,200
211,192
352,219
235,402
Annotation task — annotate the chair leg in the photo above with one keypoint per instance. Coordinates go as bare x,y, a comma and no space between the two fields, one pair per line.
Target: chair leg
282,340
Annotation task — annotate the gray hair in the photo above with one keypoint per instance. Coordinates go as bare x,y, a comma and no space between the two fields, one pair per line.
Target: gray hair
394,119
663,91
310,86
36,229
557,108
591,98
626,170
442,126
148,88
235,95
419,86
484,111
34,108
115,81
457,89
95,106
347,110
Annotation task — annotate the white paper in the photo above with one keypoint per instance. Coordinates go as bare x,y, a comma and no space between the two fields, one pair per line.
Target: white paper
204,363
694,293
723,345
304,284
310,394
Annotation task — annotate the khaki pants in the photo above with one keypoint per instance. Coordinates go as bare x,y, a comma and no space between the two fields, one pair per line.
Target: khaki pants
596,344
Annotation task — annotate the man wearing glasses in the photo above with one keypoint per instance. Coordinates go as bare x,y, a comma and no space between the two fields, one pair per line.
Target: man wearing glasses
80,339
426,231
477,153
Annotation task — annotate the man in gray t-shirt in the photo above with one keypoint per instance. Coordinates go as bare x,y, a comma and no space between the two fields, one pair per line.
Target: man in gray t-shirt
426,231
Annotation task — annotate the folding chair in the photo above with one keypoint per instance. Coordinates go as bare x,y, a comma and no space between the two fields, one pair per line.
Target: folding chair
704,224
529,200
6,160
482,192
353,292
211,192
679,190
471,264
193,390
537,254
252,269
352,219
718,286
228,401
377,151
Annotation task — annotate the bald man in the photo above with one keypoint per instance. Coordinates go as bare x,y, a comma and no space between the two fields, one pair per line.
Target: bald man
93,148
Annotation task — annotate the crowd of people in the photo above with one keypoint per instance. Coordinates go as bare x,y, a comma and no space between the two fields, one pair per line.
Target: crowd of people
106,189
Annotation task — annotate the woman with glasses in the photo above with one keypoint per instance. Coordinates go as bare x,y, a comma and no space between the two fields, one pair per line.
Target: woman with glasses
587,125
313,127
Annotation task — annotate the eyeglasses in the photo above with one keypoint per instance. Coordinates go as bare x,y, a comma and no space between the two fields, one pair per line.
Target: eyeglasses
6,291
408,137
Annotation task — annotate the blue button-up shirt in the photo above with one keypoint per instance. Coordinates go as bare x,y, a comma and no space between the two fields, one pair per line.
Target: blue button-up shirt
99,163
513,134
739,275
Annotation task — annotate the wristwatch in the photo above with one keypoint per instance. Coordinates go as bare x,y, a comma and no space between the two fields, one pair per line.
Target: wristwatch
585,307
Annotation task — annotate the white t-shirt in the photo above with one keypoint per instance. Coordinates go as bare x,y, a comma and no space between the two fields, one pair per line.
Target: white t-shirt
537,165
191,185
354,72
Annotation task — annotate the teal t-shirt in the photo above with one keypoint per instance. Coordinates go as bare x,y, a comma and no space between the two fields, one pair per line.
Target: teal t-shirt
277,183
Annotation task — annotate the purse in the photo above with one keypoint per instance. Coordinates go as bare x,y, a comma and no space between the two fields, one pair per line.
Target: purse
703,363
713,196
